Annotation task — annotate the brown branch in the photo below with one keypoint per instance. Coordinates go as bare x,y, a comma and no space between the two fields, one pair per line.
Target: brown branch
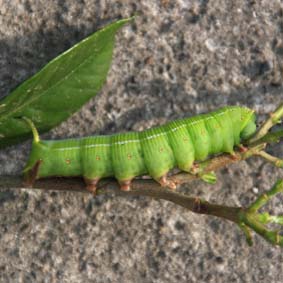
245,218
140,188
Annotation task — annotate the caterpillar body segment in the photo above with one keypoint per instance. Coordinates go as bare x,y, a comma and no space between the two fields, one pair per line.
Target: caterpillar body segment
196,127
226,122
93,151
154,151
127,156
215,132
157,152
181,144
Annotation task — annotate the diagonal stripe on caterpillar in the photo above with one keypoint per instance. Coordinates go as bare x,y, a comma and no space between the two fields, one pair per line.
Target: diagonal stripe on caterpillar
154,151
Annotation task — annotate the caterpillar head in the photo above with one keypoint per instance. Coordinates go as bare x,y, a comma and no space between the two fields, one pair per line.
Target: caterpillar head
248,124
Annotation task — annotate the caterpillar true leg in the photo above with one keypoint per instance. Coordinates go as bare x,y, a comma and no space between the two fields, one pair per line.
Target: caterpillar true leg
194,169
242,148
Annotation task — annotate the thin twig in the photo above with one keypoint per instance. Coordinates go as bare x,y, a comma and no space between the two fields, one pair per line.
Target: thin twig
274,118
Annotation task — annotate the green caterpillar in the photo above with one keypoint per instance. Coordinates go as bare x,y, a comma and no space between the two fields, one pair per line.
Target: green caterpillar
154,151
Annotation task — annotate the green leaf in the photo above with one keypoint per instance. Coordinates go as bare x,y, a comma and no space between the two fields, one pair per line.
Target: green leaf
209,178
60,88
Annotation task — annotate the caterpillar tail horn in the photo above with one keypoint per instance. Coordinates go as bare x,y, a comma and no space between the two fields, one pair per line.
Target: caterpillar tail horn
36,138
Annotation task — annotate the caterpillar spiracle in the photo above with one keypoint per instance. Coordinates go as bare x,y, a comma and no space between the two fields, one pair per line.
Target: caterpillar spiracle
154,151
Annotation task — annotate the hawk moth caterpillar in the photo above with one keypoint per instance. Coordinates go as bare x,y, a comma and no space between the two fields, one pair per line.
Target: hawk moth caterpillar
153,151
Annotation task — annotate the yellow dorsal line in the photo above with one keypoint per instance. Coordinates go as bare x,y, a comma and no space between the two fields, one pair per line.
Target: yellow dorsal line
33,129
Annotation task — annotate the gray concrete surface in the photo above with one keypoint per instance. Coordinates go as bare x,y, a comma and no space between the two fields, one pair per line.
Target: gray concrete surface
178,59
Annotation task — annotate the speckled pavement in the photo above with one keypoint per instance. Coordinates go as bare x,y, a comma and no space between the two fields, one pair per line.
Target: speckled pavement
178,59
